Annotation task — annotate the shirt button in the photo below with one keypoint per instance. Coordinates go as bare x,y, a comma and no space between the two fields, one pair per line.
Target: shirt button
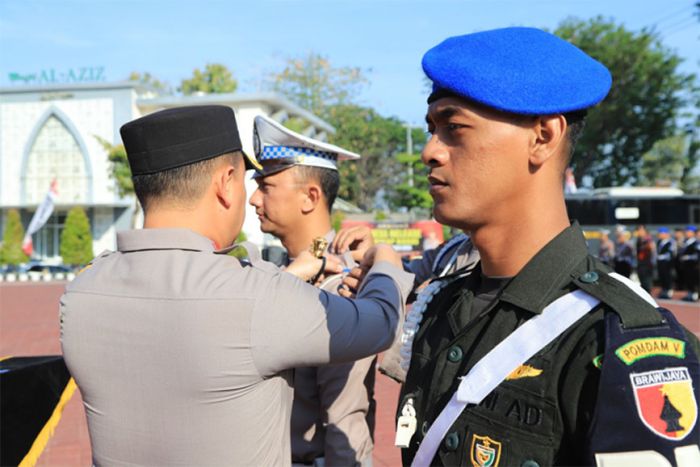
530,463
589,277
424,428
452,441
455,354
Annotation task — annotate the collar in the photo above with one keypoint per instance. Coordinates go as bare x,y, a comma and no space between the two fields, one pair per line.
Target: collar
547,272
163,239
329,236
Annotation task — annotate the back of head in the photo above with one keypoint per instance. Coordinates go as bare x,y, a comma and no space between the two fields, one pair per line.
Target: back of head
172,152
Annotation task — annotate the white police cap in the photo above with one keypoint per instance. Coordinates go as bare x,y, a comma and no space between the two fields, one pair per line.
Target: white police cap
277,148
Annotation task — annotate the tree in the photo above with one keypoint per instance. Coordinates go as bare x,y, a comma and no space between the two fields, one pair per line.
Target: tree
11,248
119,169
313,83
151,81
412,190
647,95
76,239
215,79
377,139
664,163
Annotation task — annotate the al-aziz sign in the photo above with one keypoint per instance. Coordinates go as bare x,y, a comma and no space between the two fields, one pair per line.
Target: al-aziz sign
89,74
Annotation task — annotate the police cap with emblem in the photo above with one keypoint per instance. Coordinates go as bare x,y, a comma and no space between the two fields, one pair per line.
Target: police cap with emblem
181,136
517,70
278,148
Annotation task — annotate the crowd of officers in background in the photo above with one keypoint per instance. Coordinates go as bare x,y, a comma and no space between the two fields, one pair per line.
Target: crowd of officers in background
672,257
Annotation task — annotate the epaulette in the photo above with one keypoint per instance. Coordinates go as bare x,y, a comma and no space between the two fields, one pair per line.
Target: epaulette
92,262
633,310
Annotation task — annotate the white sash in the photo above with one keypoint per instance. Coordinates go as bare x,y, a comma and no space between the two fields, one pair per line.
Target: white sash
509,354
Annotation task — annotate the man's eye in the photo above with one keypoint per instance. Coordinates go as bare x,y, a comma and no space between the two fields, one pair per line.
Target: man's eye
453,127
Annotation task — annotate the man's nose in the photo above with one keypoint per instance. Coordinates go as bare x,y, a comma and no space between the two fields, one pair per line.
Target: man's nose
255,198
434,152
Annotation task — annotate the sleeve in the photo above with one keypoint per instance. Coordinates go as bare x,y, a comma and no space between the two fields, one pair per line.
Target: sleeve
294,324
347,400
423,267
578,394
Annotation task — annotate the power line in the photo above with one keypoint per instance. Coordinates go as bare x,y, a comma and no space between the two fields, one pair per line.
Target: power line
681,28
680,23
674,14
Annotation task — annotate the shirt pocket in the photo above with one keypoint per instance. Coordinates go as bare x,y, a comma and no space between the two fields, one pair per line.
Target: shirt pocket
511,426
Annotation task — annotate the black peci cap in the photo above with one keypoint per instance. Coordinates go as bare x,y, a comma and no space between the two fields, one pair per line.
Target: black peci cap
181,136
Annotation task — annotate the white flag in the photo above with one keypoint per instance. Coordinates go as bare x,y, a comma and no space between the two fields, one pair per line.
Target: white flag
40,217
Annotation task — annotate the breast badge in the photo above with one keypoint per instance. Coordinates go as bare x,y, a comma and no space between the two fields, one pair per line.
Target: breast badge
485,452
524,371
665,401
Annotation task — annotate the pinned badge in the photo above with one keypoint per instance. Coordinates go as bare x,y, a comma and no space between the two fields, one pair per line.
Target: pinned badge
666,402
524,371
485,452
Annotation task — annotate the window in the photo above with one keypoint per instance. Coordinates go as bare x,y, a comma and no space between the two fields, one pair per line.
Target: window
56,154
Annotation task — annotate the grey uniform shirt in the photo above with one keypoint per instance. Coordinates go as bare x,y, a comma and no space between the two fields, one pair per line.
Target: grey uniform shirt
182,355
334,408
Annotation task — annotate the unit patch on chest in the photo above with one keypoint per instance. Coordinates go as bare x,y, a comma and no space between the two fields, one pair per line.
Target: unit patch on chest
665,401
484,452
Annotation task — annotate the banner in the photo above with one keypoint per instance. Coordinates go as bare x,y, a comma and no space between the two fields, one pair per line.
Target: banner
40,217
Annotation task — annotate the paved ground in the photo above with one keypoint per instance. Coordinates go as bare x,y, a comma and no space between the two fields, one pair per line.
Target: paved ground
29,326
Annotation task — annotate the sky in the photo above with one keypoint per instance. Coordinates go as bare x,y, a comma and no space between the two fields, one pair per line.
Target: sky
385,38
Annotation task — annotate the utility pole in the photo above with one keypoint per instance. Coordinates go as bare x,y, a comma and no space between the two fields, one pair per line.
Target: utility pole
409,150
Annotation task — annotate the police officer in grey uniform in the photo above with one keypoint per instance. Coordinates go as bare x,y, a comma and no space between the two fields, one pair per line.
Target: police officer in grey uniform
183,354
334,409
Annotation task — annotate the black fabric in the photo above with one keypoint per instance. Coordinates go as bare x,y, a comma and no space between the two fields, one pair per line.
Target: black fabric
180,136
30,388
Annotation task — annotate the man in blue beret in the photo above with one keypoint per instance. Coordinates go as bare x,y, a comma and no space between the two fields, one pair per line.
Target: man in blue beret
539,355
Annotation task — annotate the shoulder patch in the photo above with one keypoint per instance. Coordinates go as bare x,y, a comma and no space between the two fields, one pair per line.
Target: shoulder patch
665,401
650,347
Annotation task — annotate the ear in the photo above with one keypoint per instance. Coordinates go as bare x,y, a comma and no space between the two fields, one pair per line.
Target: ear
224,187
312,198
549,139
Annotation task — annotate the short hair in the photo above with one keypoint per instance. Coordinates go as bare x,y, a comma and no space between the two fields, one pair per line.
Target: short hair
181,185
329,180
576,122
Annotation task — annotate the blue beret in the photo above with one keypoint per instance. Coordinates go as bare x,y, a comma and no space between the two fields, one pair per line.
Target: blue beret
518,70
663,230
692,228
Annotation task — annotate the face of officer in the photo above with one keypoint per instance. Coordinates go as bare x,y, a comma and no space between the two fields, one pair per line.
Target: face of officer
482,162
239,196
279,202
